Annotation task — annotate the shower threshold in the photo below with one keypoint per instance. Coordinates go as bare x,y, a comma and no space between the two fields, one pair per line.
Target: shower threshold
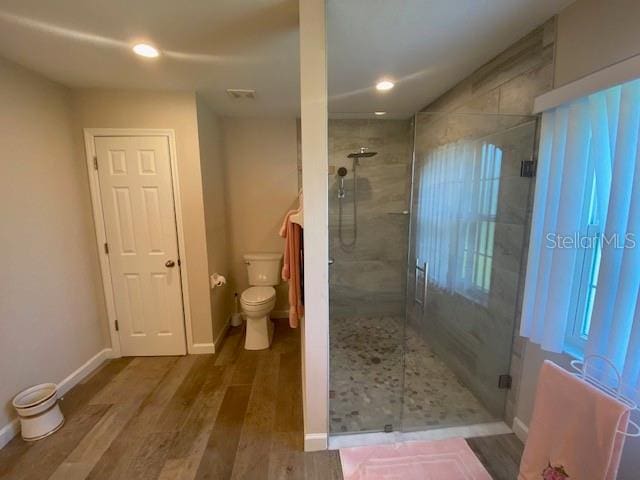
344,440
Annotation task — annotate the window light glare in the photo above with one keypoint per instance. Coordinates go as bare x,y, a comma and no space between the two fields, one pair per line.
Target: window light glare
384,85
145,50
380,113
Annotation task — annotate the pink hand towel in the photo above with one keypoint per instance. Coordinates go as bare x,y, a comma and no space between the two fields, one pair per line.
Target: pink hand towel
573,429
291,268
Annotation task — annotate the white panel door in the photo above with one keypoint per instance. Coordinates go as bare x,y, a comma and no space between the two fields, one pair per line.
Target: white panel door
137,202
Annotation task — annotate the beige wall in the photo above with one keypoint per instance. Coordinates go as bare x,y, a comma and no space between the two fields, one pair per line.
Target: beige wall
593,34
51,305
97,108
262,184
215,211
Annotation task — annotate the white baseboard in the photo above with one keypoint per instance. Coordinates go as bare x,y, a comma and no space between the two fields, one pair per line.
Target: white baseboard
84,371
280,314
210,347
13,428
314,442
218,341
520,429
9,431
200,348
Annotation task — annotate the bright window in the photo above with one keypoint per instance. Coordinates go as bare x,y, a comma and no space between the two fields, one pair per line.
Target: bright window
458,203
582,289
587,269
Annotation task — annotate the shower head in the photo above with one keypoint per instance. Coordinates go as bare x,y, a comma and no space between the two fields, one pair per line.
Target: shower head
362,154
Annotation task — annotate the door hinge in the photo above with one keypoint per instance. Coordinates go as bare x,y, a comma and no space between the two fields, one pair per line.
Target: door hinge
117,326
528,168
95,162
106,248
504,382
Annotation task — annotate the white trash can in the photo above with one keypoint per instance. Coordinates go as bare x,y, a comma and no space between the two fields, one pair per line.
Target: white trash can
39,411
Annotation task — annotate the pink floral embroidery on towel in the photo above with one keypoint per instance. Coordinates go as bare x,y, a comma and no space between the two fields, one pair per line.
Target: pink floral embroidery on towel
554,473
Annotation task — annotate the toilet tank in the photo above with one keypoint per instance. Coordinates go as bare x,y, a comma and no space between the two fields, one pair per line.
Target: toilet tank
263,268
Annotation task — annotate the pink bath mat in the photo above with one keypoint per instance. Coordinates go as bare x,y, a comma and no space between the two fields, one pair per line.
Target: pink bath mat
450,459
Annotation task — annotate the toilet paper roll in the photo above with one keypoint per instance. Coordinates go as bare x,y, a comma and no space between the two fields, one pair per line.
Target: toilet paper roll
217,280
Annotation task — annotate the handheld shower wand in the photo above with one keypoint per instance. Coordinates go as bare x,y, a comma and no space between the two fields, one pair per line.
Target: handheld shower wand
342,172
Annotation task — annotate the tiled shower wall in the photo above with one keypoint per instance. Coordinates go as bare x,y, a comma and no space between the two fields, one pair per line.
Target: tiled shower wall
368,279
507,84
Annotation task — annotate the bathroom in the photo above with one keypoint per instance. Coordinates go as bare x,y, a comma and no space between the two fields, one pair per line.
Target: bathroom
348,196
430,202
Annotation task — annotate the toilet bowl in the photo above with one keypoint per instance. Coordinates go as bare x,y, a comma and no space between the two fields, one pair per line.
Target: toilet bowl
39,411
257,303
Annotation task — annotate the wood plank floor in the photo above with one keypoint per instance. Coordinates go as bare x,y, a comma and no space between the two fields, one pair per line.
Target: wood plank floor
233,415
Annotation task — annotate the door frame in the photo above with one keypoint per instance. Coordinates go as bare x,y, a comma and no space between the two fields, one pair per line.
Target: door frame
90,134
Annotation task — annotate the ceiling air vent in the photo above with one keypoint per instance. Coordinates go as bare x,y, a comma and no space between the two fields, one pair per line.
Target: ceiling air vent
241,93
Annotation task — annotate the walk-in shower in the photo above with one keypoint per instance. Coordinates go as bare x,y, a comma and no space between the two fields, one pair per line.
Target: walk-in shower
342,172
423,305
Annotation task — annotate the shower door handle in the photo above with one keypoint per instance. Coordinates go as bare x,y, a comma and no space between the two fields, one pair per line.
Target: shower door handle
425,273
403,212
426,284
422,269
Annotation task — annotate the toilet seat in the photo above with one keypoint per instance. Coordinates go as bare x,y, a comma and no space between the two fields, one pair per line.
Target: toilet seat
257,295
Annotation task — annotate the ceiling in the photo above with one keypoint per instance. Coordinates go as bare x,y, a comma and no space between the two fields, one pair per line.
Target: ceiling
426,46
207,46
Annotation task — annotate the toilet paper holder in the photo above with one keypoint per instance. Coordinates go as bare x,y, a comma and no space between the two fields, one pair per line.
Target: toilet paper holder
217,280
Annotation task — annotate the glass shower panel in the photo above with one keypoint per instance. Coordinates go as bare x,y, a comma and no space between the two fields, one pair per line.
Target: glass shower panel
470,204
368,231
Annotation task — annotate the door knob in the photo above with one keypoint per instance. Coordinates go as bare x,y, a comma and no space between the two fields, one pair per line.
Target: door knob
170,264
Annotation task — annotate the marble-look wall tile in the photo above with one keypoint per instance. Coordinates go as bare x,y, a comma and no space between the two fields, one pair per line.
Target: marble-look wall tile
369,278
521,58
508,246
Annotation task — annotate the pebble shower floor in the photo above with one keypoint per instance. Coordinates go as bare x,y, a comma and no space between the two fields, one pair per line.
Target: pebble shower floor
367,380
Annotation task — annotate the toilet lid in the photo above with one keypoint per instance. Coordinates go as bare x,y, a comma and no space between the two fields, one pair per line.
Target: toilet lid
257,295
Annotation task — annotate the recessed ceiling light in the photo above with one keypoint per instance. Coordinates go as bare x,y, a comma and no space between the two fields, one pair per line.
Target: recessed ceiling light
145,50
380,113
384,85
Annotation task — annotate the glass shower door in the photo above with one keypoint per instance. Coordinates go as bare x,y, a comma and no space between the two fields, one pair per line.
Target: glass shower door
469,229
368,232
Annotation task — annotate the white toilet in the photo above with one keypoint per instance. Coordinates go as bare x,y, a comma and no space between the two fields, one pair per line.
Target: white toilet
258,300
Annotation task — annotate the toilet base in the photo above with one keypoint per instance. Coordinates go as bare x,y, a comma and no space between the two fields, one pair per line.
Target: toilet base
259,333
